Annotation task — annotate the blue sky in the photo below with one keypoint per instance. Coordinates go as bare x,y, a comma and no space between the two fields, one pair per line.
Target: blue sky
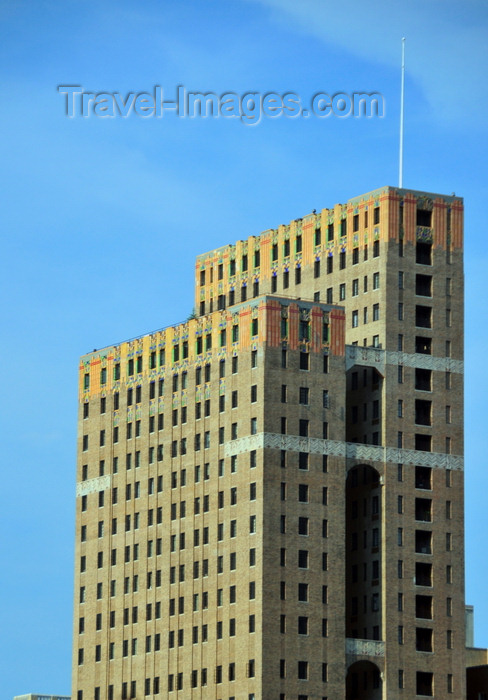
102,219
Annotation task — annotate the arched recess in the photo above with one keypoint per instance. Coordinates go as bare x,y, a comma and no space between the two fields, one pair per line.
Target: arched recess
363,553
364,682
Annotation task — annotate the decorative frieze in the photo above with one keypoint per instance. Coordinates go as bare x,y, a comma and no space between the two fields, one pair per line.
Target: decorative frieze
100,483
364,647
375,357
349,450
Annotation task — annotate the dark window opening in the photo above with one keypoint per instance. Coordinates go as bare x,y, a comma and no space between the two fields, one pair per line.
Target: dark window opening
423,574
423,253
423,345
423,607
423,285
423,509
425,682
423,442
423,638
424,217
423,542
304,360
423,316
423,412
423,379
423,478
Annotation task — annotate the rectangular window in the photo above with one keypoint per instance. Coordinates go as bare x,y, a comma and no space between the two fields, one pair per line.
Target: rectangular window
423,316
304,360
303,670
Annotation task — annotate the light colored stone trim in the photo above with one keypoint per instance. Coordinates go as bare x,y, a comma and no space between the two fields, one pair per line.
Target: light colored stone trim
349,450
100,483
375,357
364,647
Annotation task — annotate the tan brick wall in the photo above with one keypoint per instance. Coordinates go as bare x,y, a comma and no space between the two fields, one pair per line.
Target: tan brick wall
384,227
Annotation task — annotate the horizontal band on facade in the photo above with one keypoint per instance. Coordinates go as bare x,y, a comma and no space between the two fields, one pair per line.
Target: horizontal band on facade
375,357
348,450
364,647
99,483
295,443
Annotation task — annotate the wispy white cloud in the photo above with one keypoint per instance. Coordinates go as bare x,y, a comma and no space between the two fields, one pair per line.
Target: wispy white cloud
445,44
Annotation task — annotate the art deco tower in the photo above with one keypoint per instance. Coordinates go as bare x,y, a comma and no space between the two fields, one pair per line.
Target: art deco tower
270,495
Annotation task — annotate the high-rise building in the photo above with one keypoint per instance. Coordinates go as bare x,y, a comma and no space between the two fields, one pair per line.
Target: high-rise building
270,494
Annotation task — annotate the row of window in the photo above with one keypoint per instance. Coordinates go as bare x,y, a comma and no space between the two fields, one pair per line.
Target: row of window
181,446
329,260
175,681
424,638
156,388
156,483
133,522
200,372
424,682
175,605
423,411
174,445
175,510
222,302
256,258
423,252
180,542
286,254
423,257
423,573
136,396
355,315
423,443
303,526
177,637
180,381
178,573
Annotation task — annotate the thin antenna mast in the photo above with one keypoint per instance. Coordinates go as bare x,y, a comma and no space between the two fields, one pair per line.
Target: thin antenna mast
402,96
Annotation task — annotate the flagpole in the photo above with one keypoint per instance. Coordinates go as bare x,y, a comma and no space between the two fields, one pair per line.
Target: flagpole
402,96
